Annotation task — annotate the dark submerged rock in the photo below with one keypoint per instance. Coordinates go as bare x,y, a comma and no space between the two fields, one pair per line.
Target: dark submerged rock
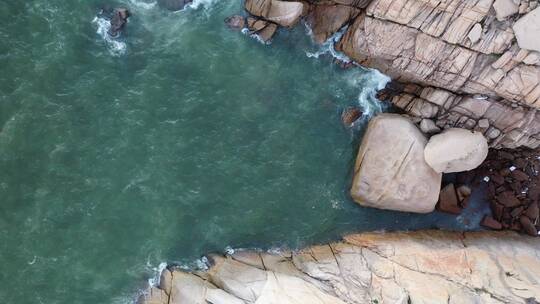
513,188
235,22
448,200
491,223
350,115
118,21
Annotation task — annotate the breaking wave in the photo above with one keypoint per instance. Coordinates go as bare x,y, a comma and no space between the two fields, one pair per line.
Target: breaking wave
115,46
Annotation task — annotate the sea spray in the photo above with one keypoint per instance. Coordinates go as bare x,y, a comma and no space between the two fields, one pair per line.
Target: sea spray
198,3
255,36
154,280
328,46
146,5
370,82
115,46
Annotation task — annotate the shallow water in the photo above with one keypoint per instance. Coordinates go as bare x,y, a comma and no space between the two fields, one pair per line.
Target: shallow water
182,137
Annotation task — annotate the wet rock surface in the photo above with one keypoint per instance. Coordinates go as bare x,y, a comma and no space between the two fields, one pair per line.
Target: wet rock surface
350,115
408,267
513,182
118,21
461,64
235,22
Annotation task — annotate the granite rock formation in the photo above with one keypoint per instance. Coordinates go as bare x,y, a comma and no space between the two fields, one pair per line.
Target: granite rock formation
456,150
390,171
459,63
463,56
408,267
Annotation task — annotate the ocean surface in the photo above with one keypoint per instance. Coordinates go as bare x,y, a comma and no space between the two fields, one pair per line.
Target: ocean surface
179,138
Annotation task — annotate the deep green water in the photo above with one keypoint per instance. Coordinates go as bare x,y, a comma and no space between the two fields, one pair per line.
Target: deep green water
191,139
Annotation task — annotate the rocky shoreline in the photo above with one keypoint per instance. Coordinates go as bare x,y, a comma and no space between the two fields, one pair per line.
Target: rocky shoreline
466,77
402,267
455,66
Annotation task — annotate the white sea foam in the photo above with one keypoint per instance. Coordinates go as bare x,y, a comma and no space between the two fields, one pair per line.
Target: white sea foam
371,82
143,4
154,280
328,46
246,31
229,250
198,3
202,263
115,47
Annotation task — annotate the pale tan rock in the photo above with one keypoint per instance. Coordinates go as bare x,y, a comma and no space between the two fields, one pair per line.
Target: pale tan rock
533,58
527,30
505,8
390,171
521,124
456,150
414,55
420,267
475,33
326,19
451,21
239,279
258,8
188,288
154,296
165,281
284,13
428,126
282,288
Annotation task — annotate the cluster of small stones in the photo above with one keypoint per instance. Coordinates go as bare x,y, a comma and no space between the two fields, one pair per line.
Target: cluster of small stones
513,189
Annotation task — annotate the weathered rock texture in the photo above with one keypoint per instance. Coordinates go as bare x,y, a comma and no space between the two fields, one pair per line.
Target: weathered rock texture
417,41
513,189
390,171
504,125
417,267
471,60
456,150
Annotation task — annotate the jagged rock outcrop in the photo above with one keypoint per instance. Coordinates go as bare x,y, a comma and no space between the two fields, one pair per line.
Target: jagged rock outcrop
390,170
504,125
326,19
409,267
284,13
410,55
481,53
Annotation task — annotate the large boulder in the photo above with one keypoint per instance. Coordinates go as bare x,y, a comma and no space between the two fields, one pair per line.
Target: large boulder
390,170
527,30
505,8
284,13
456,150
326,19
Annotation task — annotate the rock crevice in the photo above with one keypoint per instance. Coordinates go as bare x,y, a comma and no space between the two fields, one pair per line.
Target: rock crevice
403,267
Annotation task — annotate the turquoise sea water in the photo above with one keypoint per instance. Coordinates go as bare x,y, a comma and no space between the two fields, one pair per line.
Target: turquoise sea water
181,138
